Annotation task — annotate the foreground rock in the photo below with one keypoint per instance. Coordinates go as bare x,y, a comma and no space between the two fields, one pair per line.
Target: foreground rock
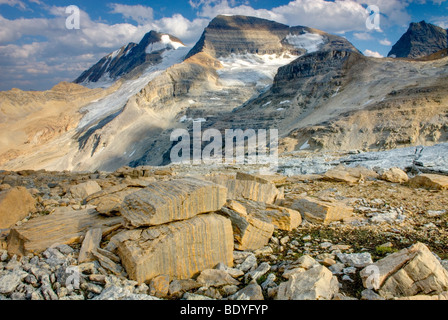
282,218
395,175
350,175
179,249
248,186
406,273
430,181
83,190
322,211
316,283
65,227
164,202
249,232
15,204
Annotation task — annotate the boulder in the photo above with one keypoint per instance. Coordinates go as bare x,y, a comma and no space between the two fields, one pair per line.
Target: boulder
11,280
15,205
90,243
83,190
179,249
251,292
316,283
247,186
62,227
216,278
429,181
282,218
169,201
159,286
322,211
356,260
350,175
409,272
110,205
250,233
395,175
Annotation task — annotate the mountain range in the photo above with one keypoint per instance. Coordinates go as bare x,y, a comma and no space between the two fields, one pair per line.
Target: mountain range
244,72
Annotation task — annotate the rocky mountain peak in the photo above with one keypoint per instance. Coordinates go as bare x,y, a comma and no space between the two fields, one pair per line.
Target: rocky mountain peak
128,58
421,39
238,22
227,35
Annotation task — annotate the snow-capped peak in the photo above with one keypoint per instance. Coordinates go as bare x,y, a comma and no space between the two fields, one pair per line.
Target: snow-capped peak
164,43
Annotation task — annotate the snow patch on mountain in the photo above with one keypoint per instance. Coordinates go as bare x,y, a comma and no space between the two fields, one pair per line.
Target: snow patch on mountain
164,43
116,101
311,42
249,69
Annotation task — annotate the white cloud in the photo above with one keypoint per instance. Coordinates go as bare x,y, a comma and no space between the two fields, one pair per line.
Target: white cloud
363,36
179,26
440,21
374,54
331,16
138,13
385,42
14,3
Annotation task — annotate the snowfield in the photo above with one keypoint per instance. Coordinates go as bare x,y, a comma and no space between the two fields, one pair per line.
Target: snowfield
311,42
116,101
249,69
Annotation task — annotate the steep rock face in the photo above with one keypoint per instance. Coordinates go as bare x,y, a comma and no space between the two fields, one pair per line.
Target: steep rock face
342,100
227,35
126,59
421,39
298,89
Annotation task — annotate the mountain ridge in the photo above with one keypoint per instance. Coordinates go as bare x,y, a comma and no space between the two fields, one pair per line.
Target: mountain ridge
303,81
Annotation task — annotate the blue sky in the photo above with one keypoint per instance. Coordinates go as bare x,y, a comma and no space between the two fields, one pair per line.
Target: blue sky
37,50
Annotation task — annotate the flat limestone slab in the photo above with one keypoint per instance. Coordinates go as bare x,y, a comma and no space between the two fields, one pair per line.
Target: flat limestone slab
179,249
168,201
67,227
350,175
282,218
320,211
246,186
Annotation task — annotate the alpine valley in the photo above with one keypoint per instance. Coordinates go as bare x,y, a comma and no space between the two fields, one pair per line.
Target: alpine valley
317,89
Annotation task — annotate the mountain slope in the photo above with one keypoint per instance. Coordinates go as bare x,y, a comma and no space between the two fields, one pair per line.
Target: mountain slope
30,120
421,39
244,72
128,58
206,85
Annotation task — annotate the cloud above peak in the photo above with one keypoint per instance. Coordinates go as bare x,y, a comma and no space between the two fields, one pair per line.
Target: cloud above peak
138,13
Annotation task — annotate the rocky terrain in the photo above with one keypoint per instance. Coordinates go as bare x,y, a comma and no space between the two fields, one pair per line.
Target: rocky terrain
193,233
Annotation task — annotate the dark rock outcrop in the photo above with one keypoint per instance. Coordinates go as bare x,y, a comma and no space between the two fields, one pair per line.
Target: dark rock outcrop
421,39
